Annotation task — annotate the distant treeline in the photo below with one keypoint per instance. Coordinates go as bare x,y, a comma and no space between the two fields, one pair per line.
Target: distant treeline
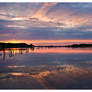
79,45
15,45
24,45
72,46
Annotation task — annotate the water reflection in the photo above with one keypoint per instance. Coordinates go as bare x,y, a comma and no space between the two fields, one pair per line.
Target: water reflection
20,51
14,51
55,77
46,68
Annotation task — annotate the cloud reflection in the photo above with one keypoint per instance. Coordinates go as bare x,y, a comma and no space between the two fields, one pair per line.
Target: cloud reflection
59,76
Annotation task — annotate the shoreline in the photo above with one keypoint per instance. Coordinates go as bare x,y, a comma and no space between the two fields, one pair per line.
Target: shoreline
24,45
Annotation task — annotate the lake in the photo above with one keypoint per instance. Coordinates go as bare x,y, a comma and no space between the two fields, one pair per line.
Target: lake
46,68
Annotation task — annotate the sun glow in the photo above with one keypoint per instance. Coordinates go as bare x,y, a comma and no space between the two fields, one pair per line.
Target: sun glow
13,41
44,42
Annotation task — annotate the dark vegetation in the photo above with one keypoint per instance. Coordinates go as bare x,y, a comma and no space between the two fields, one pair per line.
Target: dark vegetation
79,45
15,45
24,45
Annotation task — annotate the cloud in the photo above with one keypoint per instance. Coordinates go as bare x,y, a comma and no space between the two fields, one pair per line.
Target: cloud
45,21
71,15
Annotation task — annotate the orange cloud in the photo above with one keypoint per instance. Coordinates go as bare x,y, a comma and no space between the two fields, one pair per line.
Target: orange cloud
41,13
47,41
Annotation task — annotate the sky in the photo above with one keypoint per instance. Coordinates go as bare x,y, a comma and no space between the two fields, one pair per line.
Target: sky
46,23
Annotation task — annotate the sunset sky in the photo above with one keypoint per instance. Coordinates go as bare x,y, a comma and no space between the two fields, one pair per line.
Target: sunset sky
42,23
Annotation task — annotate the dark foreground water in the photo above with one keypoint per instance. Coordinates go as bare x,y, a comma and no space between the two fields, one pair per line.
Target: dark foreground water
46,68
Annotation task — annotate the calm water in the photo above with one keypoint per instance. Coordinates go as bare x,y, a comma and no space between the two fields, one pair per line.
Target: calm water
46,68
